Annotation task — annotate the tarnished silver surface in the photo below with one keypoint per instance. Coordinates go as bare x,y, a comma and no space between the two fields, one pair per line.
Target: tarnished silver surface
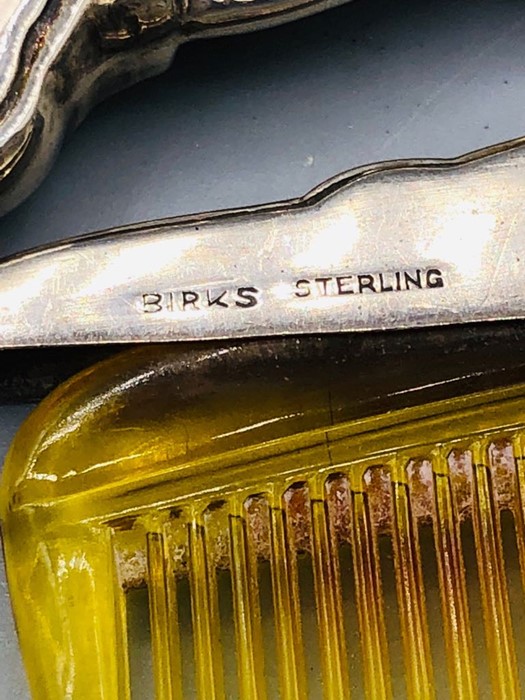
58,57
397,245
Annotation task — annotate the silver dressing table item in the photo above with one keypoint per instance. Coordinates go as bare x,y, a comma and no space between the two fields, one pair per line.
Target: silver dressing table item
59,58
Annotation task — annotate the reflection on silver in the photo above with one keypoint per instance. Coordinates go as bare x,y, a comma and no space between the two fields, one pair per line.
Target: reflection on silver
397,245
58,58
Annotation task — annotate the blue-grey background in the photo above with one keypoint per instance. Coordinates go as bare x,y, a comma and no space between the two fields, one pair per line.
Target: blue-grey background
267,116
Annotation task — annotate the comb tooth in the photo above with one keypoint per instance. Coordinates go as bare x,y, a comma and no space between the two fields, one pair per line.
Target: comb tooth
250,657
328,596
121,632
369,595
205,616
453,588
517,445
123,672
410,591
493,584
164,620
292,674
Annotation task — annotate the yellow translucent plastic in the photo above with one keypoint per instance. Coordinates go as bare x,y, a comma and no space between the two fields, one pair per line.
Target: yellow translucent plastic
121,480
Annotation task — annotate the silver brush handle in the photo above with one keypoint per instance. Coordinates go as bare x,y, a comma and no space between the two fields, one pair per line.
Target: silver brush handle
391,246
59,57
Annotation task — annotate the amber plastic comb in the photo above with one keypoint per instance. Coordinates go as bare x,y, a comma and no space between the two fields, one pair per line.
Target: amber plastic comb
288,548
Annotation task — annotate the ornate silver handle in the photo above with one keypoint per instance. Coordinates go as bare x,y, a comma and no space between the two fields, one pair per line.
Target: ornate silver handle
396,245
58,58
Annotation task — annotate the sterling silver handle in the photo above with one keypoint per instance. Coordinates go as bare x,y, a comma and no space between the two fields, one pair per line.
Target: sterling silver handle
58,58
396,245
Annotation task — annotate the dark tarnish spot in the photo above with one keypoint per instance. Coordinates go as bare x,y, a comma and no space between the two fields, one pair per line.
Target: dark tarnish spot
299,518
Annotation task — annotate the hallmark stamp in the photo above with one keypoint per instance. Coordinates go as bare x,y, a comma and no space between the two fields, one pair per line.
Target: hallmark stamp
369,283
200,299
